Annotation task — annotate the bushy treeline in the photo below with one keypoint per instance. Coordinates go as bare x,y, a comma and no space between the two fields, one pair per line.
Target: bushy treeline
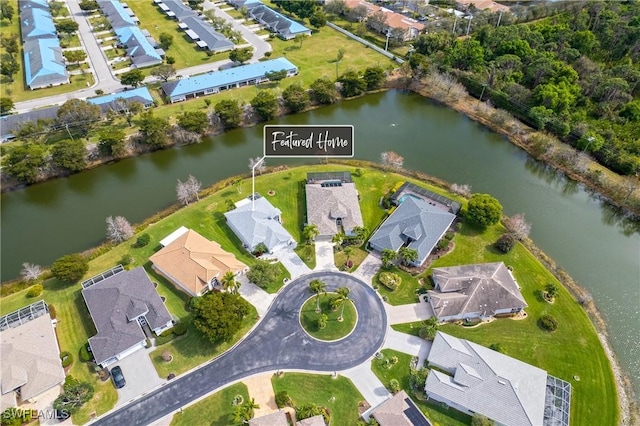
576,75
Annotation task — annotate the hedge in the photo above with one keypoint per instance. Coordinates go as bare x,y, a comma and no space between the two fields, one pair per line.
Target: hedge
35,290
161,340
67,358
180,328
390,280
85,356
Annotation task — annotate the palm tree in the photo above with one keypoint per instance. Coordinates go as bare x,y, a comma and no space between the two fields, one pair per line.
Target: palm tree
360,233
317,287
343,297
429,328
348,251
229,282
388,256
309,232
407,255
243,413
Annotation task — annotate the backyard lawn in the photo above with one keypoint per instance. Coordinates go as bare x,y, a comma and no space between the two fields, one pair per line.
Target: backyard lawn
217,409
339,394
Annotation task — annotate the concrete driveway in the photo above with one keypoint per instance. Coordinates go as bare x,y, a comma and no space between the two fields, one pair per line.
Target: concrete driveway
140,375
324,256
277,343
368,268
291,261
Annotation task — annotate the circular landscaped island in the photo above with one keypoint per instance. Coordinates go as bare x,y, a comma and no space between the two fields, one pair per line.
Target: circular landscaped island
330,327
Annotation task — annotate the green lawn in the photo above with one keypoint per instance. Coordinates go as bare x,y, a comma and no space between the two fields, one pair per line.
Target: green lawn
356,257
307,253
217,409
335,329
339,394
407,291
235,14
279,281
153,19
371,36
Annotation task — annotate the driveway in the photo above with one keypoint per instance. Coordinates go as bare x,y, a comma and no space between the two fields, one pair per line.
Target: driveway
259,298
140,375
277,343
409,313
368,268
324,256
292,262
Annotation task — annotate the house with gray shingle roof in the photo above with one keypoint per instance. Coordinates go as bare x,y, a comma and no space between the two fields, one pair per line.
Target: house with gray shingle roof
120,302
475,379
474,291
30,357
332,203
256,221
208,37
414,224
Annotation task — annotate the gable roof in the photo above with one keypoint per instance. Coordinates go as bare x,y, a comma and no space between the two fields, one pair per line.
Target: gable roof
278,418
141,52
110,102
30,358
393,19
413,218
326,203
180,9
485,288
484,381
484,4
259,225
312,421
114,304
117,14
225,77
36,21
278,23
11,123
206,33
399,411
194,261
43,63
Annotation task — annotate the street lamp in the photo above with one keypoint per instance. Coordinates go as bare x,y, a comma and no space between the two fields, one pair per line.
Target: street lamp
253,182
589,140
386,46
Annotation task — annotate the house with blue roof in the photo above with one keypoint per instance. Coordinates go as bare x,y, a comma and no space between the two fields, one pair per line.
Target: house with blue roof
116,13
414,224
138,47
217,81
36,22
284,27
113,102
44,64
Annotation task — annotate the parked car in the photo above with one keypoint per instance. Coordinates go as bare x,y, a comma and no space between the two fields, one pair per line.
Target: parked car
118,377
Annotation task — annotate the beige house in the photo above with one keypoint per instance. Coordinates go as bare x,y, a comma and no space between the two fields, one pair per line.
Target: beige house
193,263
30,355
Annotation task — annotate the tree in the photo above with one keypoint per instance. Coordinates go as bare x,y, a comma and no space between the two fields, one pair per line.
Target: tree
343,297
30,271
433,42
388,256
324,91
88,5
188,191
357,14
245,412
552,290
276,75
6,105
318,19
322,321
154,129
79,115
164,72
229,112
518,226
295,97
316,286
461,189
429,328
6,10
241,55
392,159
132,78
300,39
112,142
480,420
265,104
219,315
590,142
505,243
194,121
10,44
260,166
126,107
70,268
263,273
70,155
540,115
229,282
24,162
548,322
377,21
75,56
374,77
166,40
67,26
8,66
407,255
484,210
335,7
118,229
339,57
352,84
75,394
309,232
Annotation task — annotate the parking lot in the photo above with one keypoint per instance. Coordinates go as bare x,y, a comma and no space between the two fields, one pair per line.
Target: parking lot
139,374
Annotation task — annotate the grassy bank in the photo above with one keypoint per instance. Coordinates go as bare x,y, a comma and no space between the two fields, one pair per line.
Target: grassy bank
217,408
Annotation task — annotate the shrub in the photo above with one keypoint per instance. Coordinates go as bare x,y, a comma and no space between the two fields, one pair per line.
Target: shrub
497,347
283,399
143,240
126,261
161,340
180,328
70,268
390,280
443,244
52,312
35,290
505,243
394,385
548,322
166,356
85,356
67,359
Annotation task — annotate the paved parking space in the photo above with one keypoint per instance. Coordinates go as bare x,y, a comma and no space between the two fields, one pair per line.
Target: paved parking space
140,374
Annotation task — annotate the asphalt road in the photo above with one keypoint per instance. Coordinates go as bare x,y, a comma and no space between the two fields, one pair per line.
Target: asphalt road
277,343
